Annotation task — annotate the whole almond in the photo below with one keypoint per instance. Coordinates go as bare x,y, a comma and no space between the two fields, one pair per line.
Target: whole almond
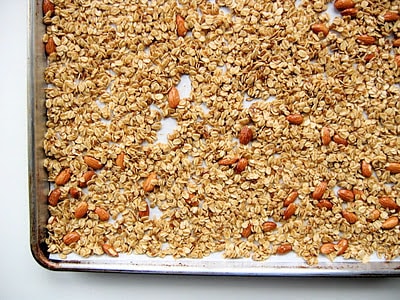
396,43
47,6
327,248
92,162
368,57
54,197
366,39
71,237
397,60
241,165
246,231
173,97
342,246
63,177
268,226
352,12
320,190
109,250
74,192
346,195
289,211
227,161
50,46
325,203
149,184
181,29
390,222
391,16
295,119
343,4
102,213
144,212
339,140
366,169
325,136
320,27
393,168
388,202
283,249
119,161
374,215
291,198
245,135
349,216
81,209
86,177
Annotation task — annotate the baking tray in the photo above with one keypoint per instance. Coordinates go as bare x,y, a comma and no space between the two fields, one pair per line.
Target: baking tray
287,265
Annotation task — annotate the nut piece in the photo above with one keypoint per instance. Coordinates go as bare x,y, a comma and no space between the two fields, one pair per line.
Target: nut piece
320,190
291,198
396,43
397,60
268,226
352,12
283,249
320,27
144,212
246,231
245,135
47,6
180,26
325,203
342,246
346,195
290,210
54,196
366,39
71,237
241,165
391,16
109,250
74,192
50,46
388,202
119,161
173,97
339,140
92,162
325,136
369,56
343,4
63,177
349,216
390,222
327,248
227,161
102,213
86,177
366,169
295,119
393,168
374,215
149,184
192,200
81,210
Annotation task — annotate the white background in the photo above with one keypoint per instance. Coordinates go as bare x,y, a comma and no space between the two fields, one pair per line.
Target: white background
22,278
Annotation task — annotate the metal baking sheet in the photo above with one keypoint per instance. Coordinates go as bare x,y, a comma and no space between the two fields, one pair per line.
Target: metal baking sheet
287,265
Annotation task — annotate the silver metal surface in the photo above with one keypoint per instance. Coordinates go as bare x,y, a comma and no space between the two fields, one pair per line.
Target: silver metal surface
213,265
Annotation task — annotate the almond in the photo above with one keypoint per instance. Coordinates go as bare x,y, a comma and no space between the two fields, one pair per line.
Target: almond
349,216
295,119
289,211
342,246
327,248
246,231
74,192
47,6
50,46
173,97
92,162
227,161
343,4
283,249
346,195
320,190
54,197
102,213
180,26
241,165
358,195
325,203
291,198
245,135
81,210
393,168
86,177
71,237
119,161
374,215
388,202
109,250
325,136
320,27
352,12
339,140
391,16
396,43
144,212
397,60
268,226
149,182
369,56
390,222
63,177
366,169
366,39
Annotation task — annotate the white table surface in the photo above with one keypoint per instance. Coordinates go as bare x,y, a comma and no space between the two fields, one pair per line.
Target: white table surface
22,278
